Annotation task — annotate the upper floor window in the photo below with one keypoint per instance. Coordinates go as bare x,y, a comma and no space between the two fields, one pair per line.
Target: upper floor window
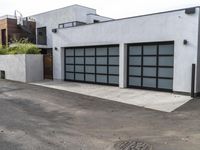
42,36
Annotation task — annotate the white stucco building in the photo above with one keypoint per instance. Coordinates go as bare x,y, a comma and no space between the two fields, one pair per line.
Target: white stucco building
154,51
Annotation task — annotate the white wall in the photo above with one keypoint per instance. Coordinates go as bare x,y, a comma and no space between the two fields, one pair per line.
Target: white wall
14,67
172,26
34,68
23,68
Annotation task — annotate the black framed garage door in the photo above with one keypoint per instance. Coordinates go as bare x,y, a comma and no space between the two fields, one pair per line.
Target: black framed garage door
150,65
97,64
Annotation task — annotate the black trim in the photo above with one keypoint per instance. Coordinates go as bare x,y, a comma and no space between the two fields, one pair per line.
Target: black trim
193,81
157,66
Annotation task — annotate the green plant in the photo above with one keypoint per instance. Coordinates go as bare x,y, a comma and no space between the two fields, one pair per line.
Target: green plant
20,47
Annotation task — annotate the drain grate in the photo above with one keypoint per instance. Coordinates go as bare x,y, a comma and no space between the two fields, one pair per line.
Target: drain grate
132,145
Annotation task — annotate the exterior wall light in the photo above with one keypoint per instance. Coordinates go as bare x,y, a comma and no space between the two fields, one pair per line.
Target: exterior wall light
185,42
54,30
56,48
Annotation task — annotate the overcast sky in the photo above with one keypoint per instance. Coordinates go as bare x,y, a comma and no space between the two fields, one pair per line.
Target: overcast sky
111,8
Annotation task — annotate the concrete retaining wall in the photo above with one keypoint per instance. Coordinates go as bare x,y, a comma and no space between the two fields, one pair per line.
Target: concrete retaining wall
23,68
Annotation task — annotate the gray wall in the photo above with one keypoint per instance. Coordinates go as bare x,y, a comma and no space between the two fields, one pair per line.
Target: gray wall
23,68
171,26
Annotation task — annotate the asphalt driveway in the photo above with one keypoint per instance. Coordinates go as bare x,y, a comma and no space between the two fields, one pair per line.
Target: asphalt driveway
39,118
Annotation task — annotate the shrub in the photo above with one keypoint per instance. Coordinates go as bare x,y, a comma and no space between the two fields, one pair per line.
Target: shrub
20,47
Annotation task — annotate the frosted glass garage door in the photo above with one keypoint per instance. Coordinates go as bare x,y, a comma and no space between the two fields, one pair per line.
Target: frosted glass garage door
150,65
99,64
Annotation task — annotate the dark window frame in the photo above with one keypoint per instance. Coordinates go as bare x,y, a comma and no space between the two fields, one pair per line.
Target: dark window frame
41,41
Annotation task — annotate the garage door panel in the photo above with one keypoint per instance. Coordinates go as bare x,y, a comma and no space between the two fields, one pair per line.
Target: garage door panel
79,68
101,60
149,71
150,65
93,64
90,77
113,70
150,50
165,83
90,60
135,81
135,50
79,60
79,52
69,76
166,61
149,82
113,79
101,51
70,68
149,61
165,72
166,49
79,76
133,60
70,52
90,52
113,60
102,69
101,78
113,51
70,60
90,69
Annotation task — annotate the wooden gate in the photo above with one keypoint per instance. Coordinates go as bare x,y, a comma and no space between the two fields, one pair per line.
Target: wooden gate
48,65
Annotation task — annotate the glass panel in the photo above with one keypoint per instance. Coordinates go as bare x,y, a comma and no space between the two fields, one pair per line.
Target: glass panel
101,69
90,60
135,50
90,77
165,83
79,60
166,49
134,81
114,60
69,52
101,78
90,69
70,60
79,52
70,68
79,77
113,50
101,51
135,60
149,71
79,68
113,70
113,79
149,61
90,52
101,60
166,61
135,71
150,50
165,72
70,76
149,82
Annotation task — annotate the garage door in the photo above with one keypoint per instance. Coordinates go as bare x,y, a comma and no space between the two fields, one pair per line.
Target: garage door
99,64
150,65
